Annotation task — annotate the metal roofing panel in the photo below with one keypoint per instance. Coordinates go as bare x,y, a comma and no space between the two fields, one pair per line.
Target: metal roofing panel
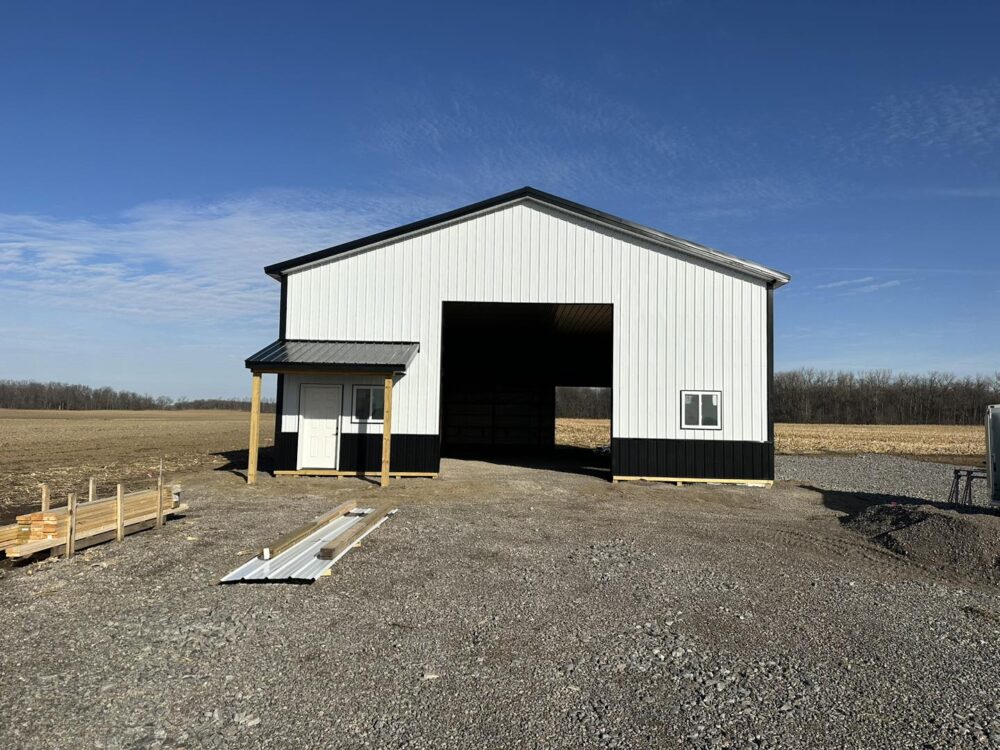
301,561
382,356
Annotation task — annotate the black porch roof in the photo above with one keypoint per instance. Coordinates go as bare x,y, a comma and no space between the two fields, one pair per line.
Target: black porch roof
335,356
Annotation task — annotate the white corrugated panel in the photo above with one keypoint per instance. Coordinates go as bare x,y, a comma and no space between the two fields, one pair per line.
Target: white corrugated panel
679,323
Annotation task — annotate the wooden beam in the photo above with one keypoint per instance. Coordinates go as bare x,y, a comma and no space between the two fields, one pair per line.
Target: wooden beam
89,520
142,524
349,538
303,531
386,431
46,498
254,429
120,513
159,497
686,480
71,526
10,535
92,490
341,474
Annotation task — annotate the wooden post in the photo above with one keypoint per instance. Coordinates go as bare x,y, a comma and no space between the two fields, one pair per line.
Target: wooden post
386,430
45,497
254,429
71,526
120,513
159,497
92,491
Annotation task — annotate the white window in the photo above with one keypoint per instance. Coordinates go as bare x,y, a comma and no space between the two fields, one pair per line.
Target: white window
369,404
701,410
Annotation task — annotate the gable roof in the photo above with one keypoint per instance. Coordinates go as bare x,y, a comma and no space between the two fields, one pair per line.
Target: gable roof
529,193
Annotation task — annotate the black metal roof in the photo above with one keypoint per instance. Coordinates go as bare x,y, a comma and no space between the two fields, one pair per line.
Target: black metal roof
707,253
335,356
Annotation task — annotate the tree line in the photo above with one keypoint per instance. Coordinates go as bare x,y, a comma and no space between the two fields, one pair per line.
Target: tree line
583,403
832,397
816,396
31,394
880,397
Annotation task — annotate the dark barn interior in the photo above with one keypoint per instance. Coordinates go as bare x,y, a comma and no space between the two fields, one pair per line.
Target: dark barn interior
501,363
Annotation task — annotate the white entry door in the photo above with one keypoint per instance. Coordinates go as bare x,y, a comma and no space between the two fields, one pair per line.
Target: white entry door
319,426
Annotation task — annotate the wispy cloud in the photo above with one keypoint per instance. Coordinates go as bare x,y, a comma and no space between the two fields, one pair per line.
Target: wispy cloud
179,260
861,285
985,193
948,117
846,282
572,138
173,293
869,288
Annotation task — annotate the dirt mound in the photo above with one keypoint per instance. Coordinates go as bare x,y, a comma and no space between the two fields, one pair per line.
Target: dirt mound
956,544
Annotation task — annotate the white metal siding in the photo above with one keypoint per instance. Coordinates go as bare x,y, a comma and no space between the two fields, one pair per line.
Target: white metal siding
290,401
679,322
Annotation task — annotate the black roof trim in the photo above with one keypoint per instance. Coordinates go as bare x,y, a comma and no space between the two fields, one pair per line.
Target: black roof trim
741,264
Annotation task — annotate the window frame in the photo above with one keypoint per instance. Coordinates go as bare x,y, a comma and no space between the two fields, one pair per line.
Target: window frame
371,402
699,394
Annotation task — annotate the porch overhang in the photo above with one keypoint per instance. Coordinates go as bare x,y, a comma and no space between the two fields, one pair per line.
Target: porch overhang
382,358
334,357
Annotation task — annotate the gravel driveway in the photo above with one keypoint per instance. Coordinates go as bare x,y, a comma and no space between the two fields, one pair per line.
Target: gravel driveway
875,474
506,607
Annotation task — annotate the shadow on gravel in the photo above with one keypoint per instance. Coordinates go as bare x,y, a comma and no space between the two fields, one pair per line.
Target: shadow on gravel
236,461
853,503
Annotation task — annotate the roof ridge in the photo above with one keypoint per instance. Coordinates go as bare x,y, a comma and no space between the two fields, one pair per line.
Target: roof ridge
642,231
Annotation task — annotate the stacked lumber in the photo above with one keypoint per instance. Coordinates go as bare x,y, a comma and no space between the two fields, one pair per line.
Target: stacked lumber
9,535
95,522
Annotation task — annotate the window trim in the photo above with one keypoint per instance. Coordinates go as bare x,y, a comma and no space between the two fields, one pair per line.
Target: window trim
354,405
700,393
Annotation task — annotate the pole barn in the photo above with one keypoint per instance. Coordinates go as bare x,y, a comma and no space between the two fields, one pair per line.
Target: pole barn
450,335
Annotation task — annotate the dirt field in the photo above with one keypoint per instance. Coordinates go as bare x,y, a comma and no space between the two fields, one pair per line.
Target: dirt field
965,444
65,448
931,441
583,433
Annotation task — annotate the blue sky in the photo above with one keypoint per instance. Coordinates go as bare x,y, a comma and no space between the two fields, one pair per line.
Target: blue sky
154,157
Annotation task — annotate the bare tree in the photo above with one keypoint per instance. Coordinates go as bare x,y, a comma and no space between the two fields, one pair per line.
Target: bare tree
879,397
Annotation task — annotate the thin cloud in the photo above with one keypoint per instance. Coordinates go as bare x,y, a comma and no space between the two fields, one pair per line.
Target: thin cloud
179,260
869,288
847,282
948,117
987,193
567,137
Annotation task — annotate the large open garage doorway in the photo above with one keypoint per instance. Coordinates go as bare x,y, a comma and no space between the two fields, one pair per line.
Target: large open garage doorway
500,366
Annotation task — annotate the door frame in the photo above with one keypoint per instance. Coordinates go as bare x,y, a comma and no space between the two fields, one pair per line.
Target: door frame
302,421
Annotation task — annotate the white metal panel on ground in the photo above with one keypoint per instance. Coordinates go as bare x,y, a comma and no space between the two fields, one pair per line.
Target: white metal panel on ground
680,323
301,561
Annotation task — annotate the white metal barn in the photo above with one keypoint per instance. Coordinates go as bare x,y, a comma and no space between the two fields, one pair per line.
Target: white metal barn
451,334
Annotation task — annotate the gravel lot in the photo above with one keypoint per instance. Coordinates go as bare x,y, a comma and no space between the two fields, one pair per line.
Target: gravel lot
873,475
510,607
